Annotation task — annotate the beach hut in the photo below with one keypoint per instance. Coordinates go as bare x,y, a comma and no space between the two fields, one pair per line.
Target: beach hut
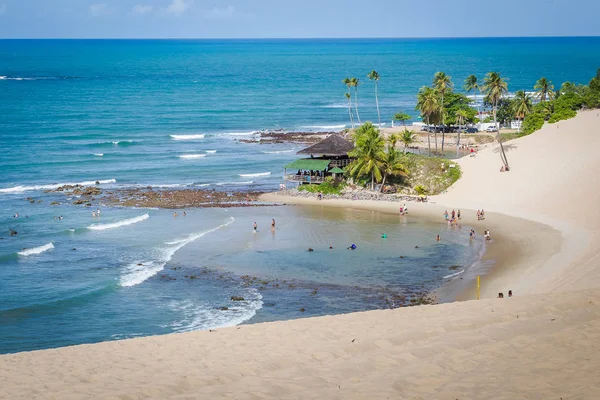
327,158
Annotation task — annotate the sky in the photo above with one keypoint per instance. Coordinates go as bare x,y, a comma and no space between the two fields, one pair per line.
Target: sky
296,19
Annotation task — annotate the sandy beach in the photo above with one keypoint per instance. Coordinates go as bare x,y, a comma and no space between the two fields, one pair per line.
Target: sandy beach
539,344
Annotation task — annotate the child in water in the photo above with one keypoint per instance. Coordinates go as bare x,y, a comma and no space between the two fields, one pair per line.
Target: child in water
255,227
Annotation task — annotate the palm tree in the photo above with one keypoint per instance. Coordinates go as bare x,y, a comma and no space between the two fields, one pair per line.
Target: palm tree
374,76
368,151
522,106
443,84
408,138
428,104
495,88
348,84
471,84
391,163
394,139
461,117
544,89
402,117
354,82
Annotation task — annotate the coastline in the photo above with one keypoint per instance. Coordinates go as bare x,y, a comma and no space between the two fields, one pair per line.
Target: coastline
517,243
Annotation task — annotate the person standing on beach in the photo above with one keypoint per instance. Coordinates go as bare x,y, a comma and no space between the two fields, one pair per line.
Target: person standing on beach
255,227
453,214
446,215
405,209
458,214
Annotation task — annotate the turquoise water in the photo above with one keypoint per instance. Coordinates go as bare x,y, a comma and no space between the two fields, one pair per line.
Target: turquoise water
170,114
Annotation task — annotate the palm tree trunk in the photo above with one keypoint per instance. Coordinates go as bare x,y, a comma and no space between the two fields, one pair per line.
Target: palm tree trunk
436,148
350,112
377,104
458,139
383,183
372,180
443,124
429,137
503,155
356,104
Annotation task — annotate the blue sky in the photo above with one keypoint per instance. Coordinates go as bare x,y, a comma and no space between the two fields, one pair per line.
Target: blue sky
298,18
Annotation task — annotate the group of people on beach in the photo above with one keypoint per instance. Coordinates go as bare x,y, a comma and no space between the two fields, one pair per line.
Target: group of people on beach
175,214
403,209
480,215
453,218
96,213
255,227
501,295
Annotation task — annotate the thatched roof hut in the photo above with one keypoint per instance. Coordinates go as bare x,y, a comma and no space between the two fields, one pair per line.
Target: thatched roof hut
331,146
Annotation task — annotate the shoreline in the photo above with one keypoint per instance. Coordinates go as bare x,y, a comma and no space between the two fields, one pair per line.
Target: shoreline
499,252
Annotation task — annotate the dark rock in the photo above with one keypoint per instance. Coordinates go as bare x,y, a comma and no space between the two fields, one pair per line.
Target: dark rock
80,201
310,249
237,298
13,232
223,308
454,267
55,203
97,182
302,309
268,304
73,249
140,264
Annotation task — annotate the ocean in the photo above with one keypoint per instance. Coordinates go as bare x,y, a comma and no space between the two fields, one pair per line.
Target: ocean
170,114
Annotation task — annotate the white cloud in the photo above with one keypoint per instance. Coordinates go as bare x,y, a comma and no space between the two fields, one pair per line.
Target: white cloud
142,8
220,13
3,9
99,10
179,7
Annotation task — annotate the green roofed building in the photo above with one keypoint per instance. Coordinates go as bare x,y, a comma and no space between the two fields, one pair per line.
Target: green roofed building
327,158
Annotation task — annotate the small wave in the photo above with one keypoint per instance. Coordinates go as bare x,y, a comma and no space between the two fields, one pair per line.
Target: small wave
278,151
250,133
211,151
35,250
255,175
135,274
120,142
335,105
35,78
187,137
125,222
325,127
192,156
234,183
99,154
453,275
164,185
20,189
201,317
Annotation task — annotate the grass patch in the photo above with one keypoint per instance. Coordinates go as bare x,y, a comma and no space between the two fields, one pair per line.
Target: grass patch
325,188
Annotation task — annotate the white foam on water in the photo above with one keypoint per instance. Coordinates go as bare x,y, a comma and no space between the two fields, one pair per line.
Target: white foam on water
241,133
211,151
135,274
187,137
336,105
255,175
118,142
36,250
278,151
202,317
453,275
234,183
325,126
20,189
99,154
118,224
192,156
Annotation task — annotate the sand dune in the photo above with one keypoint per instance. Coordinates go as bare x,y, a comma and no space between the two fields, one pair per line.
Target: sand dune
538,345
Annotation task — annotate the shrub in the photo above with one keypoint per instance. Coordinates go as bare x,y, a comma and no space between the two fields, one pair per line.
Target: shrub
421,190
562,114
325,188
532,123
453,174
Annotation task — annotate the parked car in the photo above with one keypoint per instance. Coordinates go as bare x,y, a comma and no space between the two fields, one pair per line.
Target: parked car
491,129
470,130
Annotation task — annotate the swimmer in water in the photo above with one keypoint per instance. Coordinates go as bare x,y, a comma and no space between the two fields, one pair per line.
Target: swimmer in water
255,227
273,223
437,238
93,214
352,247
175,214
184,214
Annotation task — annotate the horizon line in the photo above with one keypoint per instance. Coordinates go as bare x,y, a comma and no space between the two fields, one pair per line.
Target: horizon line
305,38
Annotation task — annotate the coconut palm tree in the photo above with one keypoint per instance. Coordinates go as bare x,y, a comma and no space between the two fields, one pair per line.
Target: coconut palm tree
354,82
443,84
461,117
368,152
401,117
391,164
428,103
408,138
374,76
348,84
522,106
495,87
544,89
471,84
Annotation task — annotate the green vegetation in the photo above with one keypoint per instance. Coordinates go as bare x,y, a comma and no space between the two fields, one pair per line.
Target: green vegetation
495,88
401,117
431,174
443,84
348,83
562,104
328,187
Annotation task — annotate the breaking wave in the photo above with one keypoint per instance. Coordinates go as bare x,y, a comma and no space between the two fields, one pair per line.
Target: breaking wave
118,224
255,175
192,156
136,273
35,250
187,137
278,151
21,189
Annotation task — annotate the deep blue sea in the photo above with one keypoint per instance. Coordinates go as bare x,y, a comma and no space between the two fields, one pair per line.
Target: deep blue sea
170,113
